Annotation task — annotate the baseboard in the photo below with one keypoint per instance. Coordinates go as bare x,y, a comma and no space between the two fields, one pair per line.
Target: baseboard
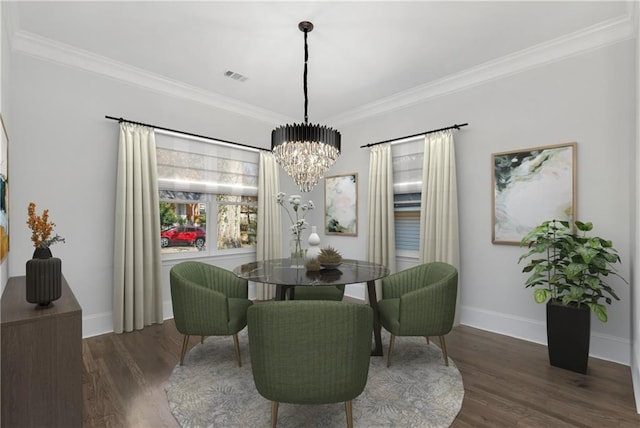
167,310
635,375
355,291
95,325
606,347
603,346
497,322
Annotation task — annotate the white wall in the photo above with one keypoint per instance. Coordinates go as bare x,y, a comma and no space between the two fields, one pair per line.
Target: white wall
588,99
635,197
63,157
4,78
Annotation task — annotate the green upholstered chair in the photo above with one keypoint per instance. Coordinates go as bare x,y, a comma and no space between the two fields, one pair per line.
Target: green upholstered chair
419,301
208,301
310,352
320,292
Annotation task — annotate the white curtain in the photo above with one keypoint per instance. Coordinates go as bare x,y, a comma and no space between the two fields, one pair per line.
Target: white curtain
269,245
137,287
439,213
381,247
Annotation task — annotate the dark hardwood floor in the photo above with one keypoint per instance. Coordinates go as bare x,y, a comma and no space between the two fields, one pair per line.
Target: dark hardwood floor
508,382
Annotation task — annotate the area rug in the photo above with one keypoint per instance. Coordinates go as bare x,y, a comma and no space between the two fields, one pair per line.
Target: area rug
418,390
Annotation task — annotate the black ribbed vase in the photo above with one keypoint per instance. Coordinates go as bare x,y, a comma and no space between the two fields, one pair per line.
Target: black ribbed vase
44,278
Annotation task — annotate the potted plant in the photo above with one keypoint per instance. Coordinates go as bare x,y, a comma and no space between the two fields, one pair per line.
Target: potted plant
568,270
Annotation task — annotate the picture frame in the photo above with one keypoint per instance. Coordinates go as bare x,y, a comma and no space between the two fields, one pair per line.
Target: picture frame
4,190
341,205
530,186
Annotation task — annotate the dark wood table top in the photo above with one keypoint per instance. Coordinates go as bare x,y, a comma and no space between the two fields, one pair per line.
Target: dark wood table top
279,271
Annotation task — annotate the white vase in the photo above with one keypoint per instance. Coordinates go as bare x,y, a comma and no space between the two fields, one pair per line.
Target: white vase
314,244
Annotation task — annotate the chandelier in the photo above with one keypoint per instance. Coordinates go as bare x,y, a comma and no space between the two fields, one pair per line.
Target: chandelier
305,151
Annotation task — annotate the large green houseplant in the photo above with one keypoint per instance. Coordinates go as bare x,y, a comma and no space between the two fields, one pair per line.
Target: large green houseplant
568,270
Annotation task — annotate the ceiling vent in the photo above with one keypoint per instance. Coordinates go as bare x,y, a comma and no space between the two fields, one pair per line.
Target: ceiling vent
235,76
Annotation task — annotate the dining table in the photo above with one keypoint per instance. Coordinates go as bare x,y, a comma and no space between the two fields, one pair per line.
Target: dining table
287,277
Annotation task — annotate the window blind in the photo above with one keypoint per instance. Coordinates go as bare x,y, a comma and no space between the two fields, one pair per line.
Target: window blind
407,165
191,164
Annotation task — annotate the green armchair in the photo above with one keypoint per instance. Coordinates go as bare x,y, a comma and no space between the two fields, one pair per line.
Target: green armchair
208,301
310,352
320,292
419,301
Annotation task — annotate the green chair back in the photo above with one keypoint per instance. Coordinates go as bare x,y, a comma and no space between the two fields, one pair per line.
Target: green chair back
207,300
426,302
310,352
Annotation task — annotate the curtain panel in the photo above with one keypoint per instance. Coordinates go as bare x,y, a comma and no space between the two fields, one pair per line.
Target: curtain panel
381,246
137,286
269,245
439,213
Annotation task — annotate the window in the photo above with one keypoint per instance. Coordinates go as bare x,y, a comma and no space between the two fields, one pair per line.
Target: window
196,179
183,223
407,221
407,187
237,221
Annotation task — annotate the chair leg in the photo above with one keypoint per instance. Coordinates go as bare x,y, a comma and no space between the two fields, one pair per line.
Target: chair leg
274,414
201,340
185,343
443,345
391,342
235,341
348,407
427,337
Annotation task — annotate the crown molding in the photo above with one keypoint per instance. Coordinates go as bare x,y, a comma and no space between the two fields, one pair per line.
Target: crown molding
591,38
595,37
48,50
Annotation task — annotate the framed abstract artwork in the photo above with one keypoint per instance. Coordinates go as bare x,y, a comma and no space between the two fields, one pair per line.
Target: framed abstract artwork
341,205
4,191
530,186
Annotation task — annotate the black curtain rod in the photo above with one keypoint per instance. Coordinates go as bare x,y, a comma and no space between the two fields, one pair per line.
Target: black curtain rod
120,120
457,126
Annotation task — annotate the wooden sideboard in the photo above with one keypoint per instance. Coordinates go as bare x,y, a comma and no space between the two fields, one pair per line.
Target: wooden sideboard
41,359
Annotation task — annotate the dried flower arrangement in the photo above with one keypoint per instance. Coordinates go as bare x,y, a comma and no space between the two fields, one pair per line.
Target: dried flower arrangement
41,228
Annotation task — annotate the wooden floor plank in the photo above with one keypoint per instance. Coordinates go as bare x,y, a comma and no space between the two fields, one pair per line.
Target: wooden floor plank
508,382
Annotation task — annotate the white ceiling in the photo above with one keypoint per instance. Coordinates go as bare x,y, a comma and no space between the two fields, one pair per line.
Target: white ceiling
360,53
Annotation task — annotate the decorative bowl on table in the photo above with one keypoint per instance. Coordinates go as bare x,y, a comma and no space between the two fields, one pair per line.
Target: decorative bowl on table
329,258
330,265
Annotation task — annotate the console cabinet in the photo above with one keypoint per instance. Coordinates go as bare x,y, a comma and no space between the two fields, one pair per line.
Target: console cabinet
41,360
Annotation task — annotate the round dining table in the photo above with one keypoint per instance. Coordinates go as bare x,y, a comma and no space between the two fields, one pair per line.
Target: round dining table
286,277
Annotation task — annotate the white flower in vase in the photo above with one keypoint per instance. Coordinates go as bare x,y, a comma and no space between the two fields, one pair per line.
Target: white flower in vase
297,216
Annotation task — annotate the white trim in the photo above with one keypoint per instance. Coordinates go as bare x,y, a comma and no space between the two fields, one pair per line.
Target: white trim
102,323
97,324
49,50
635,380
594,37
356,291
602,346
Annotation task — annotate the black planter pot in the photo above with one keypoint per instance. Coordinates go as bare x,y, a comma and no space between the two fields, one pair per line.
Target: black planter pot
568,335
44,278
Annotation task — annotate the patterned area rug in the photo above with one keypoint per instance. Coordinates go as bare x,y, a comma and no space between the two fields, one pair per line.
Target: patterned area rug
418,390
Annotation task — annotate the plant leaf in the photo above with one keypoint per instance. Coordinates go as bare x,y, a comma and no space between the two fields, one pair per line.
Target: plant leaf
541,295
